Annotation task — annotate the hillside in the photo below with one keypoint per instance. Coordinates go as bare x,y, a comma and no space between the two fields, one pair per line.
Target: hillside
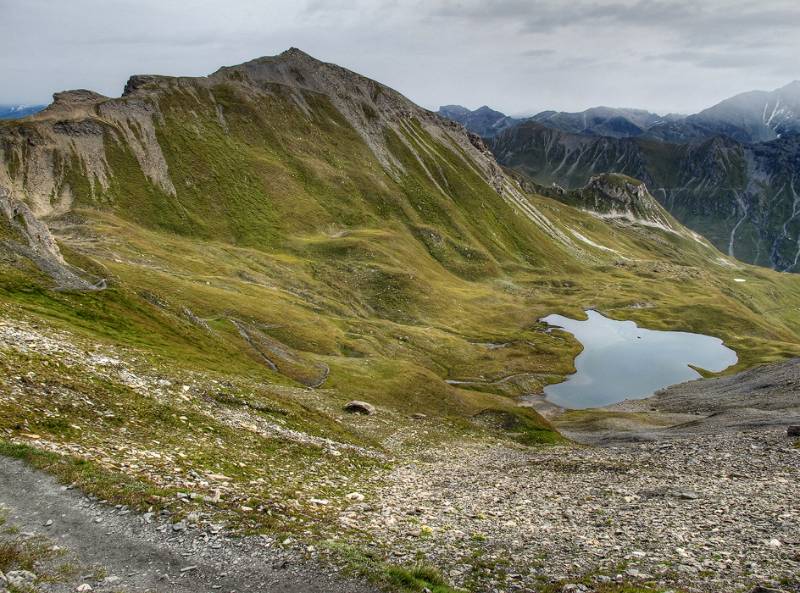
196,278
741,197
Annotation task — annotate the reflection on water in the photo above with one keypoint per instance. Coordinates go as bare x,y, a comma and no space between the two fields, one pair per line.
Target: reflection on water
622,361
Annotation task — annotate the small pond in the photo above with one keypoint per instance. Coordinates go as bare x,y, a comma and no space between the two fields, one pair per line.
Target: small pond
623,361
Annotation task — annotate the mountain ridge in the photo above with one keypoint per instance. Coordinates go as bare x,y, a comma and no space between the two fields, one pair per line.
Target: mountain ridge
727,172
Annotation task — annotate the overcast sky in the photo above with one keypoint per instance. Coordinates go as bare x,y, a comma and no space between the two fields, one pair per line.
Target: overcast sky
519,56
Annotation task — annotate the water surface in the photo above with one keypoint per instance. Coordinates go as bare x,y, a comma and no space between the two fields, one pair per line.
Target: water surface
623,361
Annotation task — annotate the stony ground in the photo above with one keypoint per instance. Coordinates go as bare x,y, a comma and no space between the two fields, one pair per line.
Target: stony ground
709,507
702,513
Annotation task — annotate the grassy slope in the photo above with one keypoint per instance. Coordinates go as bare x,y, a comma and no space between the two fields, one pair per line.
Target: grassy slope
287,220
287,223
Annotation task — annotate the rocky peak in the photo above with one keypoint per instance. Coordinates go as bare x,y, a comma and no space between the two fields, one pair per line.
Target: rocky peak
72,104
619,188
140,81
78,97
369,106
616,196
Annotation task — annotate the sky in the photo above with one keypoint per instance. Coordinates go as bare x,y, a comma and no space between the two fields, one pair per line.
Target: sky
519,56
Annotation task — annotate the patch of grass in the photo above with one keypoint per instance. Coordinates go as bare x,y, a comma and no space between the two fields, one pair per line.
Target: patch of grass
17,554
521,424
399,579
88,476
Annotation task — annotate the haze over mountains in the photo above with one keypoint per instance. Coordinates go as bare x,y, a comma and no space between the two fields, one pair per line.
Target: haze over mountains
755,116
16,111
728,172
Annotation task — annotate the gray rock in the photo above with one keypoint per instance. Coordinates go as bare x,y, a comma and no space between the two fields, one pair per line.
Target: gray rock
20,579
359,407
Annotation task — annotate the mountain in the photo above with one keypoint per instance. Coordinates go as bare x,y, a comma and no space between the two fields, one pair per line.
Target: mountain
740,196
248,298
756,116
17,111
612,196
484,121
600,121
752,117
597,121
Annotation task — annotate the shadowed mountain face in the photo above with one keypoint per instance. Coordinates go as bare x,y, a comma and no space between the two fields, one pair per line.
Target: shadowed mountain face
600,121
743,197
730,172
756,116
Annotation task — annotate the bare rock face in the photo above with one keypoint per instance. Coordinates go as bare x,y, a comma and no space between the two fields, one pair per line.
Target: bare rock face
621,197
36,243
77,97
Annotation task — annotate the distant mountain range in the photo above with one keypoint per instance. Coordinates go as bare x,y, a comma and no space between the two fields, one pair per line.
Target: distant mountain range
17,111
730,172
757,116
484,121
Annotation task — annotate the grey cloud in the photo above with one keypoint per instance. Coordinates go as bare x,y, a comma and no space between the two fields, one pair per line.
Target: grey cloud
515,55
537,53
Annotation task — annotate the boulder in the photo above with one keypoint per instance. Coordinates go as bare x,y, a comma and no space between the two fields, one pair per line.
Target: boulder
20,579
793,430
359,407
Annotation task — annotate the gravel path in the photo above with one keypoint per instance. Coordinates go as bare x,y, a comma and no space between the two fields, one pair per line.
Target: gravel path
142,553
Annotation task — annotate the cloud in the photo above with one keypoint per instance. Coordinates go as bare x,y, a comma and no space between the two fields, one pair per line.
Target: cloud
538,52
515,55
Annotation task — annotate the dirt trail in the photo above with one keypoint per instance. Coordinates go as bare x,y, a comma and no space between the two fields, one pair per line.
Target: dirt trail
147,555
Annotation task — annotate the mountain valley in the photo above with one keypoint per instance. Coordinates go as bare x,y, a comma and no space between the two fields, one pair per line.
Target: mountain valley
282,309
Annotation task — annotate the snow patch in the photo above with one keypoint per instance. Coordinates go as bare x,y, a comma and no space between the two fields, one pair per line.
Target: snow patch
588,241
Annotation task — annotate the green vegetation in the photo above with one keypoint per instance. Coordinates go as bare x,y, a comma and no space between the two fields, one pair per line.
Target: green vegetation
400,579
291,271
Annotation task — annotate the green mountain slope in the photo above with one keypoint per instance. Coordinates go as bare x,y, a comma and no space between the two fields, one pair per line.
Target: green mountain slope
197,276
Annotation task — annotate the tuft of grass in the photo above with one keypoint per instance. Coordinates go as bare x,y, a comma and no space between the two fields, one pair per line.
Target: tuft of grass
415,579
399,579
